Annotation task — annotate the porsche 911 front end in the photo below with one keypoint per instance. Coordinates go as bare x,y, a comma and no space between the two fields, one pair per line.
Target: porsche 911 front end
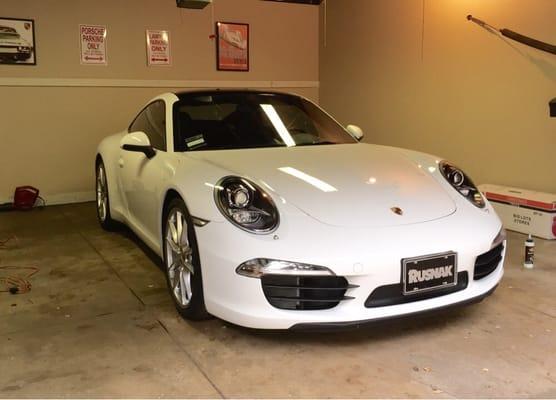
383,233
344,259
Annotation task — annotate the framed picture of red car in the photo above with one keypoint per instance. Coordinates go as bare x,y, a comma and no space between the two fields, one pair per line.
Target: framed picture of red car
17,41
232,46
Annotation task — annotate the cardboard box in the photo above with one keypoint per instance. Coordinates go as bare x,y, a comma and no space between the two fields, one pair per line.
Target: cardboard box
524,211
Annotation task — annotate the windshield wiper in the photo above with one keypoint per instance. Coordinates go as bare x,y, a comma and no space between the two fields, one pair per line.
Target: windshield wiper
317,143
238,147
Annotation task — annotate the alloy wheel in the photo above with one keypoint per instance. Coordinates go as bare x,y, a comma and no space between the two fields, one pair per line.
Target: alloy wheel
102,193
179,257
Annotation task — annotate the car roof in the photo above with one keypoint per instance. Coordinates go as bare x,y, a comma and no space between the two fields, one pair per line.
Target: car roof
210,92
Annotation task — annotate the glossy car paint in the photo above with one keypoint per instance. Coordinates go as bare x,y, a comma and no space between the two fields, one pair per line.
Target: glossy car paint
335,204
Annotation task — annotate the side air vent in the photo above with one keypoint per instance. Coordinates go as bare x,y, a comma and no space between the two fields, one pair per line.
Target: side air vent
292,292
486,263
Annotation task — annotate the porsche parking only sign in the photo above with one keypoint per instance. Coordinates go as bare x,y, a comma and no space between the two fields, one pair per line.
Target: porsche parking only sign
158,47
93,44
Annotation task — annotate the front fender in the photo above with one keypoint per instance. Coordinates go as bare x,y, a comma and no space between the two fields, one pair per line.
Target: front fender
109,152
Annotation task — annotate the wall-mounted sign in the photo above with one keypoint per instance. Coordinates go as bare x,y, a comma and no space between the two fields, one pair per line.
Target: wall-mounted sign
17,41
232,46
93,44
158,47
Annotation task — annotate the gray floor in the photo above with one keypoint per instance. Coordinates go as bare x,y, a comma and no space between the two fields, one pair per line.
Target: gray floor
98,322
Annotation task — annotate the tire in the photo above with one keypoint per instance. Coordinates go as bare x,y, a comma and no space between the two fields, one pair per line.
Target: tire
182,263
103,200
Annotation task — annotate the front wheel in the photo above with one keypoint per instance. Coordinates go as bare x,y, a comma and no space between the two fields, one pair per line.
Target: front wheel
103,201
181,259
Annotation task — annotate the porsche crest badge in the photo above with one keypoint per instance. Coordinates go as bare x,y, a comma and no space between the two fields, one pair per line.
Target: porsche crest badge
397,210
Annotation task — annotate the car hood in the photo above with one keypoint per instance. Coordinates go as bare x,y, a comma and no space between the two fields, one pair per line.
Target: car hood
351,185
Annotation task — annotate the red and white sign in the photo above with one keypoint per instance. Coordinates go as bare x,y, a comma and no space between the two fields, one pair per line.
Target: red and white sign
158,47
93,44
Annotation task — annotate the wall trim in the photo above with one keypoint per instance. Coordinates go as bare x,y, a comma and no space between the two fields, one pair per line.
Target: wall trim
62,198
69,198
150,83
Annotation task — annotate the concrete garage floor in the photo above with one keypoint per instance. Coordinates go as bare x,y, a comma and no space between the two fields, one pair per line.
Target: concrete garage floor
98,322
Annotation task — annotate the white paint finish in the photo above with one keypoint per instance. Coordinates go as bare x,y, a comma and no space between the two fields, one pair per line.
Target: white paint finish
328,181
355,228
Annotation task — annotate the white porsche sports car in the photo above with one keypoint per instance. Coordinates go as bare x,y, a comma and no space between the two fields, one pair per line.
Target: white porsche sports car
269,214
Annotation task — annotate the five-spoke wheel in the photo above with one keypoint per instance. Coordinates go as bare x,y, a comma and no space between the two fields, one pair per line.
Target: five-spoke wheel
103,201
181,258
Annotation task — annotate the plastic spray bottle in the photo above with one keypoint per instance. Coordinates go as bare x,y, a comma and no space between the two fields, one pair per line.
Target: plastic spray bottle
529,253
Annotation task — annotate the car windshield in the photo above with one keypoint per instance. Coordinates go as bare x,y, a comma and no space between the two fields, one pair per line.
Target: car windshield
239,120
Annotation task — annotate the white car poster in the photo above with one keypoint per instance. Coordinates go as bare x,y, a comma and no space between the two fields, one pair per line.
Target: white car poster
93,44
17,41
158,47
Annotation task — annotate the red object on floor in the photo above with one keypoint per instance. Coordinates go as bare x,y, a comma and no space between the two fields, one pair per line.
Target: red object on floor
25,197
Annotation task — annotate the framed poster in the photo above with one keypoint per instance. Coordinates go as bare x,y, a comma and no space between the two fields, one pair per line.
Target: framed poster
158,47
17,41
232,46
93,44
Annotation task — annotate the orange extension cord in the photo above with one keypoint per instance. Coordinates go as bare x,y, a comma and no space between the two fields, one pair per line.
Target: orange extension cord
15,284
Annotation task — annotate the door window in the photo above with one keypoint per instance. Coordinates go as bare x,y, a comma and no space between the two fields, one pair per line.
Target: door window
152,121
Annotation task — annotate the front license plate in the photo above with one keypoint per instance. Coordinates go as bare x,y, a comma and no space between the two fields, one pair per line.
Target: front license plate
421,274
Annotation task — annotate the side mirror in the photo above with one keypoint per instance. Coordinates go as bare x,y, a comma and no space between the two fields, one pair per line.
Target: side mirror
138,142
355,131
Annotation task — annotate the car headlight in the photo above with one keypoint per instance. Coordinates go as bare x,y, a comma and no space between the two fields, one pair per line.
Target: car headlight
246,205
462,183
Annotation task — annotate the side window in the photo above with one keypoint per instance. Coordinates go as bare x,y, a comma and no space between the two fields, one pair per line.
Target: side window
152,121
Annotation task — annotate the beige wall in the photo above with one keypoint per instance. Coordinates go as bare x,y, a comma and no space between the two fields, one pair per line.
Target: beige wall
48,134
473,98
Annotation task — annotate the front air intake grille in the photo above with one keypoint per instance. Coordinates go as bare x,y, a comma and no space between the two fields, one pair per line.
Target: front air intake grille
486,263
390,295
292,292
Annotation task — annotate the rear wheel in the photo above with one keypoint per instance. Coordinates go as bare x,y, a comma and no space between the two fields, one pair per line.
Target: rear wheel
181,259
103,201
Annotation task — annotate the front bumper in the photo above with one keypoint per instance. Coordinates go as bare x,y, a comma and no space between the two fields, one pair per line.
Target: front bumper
367,258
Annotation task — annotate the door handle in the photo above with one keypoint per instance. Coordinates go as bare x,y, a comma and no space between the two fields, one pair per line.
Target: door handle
121,162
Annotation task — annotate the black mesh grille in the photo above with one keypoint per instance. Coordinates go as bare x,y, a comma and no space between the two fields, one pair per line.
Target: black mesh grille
304,292
390,295
486,263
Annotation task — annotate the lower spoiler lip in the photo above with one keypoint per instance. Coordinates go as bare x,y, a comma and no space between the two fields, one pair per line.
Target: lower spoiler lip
352,325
